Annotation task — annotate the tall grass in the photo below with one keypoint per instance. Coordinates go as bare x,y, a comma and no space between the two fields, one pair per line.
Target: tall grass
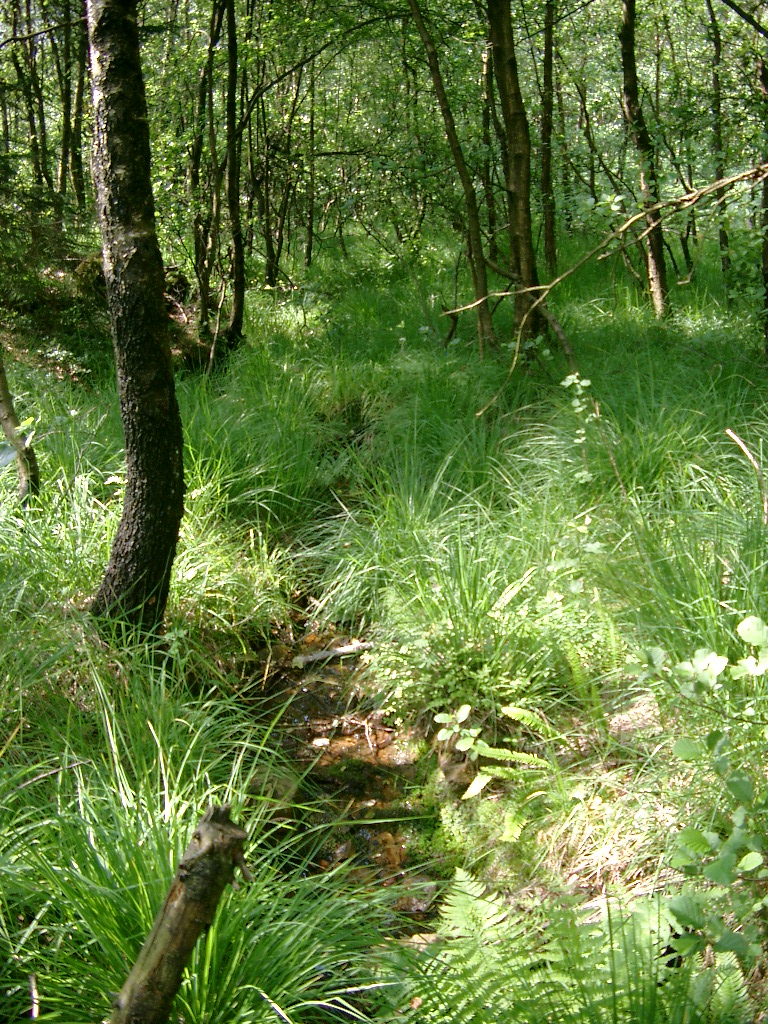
337,470
92,834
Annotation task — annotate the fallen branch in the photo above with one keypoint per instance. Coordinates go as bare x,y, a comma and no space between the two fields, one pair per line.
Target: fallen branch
204,871
333,652
665,208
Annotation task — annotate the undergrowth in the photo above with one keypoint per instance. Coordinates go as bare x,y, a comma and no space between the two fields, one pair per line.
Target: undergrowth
503,542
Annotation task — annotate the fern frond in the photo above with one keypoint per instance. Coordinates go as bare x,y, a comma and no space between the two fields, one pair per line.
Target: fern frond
469,912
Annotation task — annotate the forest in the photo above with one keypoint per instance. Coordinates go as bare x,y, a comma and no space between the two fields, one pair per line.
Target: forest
383,511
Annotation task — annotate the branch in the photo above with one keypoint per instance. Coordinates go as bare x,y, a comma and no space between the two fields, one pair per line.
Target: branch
204,872
665,208
746,16
333,652
9,40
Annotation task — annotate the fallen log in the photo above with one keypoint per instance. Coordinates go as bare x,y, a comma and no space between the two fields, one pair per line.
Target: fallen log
204,871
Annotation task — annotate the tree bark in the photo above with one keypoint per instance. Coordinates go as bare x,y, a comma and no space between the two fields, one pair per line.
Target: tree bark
234,331
205,196
136,583
29,473
309,241
547,121
486,334
76,154
204,872
649,184
517,165
717,139
488,162
762,76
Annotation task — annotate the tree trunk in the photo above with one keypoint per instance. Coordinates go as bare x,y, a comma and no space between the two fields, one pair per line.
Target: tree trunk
29,473
517,165
547,119
310,222
234,331
205,198
717,140
566,164
762,76
485,331
76,154
649,184
136,583
488,162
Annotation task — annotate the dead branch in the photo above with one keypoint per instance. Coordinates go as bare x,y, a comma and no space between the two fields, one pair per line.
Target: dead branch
333,652
666,208
204,871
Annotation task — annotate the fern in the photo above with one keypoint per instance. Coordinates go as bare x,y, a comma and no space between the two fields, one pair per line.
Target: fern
489,966
468,912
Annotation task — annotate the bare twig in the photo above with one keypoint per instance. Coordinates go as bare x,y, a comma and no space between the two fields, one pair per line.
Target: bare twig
665,208
10,40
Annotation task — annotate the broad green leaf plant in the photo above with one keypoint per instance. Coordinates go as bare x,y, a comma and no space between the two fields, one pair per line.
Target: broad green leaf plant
467,740
723,903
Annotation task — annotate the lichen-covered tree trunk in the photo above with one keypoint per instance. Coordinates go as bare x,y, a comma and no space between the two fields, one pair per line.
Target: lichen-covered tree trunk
136,582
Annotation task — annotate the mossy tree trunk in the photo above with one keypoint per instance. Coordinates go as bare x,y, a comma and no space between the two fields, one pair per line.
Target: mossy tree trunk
136,583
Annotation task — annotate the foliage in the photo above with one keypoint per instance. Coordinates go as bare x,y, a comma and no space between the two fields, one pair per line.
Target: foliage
466,740
490,964
91,839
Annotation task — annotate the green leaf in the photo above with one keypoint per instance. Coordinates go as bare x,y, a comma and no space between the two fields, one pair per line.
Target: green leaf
688,944
750,861
465,742
7,455
704,667
687,749
695,841
753,631
655,656
443,718
741,786
723,870
717,742
739,816
527,717
688,911
477,785
444,734
731,942
463,713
